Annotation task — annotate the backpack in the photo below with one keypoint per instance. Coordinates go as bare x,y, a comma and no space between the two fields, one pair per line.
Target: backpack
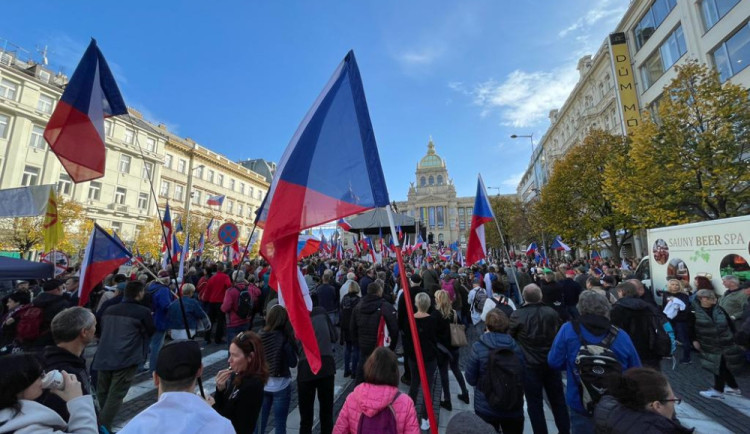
595,365
383,421
503,305
659,340
30,320
244,304
502,382
480,297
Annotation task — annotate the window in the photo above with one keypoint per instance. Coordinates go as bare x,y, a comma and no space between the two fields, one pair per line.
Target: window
440,180
3,125
431,212
259,194
652,20
120,195
239,209
8,89
199,172
108,128
196,197
164,191
148,170
220,180
30,176
150,144
461,221
440,216
250,191
733,55
662,59
125,163
714,10
117,227
95,190
168,161
44,104
231,184
181,164
129,136
230,206
143,201
37,137
422,181
64,184
179,192
210,175
242,188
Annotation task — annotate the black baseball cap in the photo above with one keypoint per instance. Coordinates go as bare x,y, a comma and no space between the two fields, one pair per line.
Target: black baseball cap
179,360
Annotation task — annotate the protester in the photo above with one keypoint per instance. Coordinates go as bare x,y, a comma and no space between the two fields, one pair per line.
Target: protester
534,326
15,304
638,318
216,286
281,355
734,299
466,422
51,302
309,383
595,329
235,322
351,351
478,368
426,330
477,298
571,290
350,278
126,331
448,355
178,409
159,294
415,287
675,300
370,402
714,341
197,318
239,390
640,401
21,384
365,327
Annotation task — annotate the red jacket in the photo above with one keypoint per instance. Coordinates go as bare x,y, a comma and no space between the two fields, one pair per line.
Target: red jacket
370,399
231,303
216,287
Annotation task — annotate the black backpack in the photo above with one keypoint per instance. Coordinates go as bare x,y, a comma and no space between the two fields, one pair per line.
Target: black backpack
502,381
244,304
659,341
595,365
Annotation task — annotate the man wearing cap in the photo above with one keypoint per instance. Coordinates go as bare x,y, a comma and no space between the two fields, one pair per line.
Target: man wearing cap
178,409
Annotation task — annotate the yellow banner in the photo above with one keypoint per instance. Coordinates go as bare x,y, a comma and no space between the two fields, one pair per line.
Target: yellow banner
53,230
626,93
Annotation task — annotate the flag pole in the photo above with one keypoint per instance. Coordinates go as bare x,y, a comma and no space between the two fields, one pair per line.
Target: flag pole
505,248
413,327
244,254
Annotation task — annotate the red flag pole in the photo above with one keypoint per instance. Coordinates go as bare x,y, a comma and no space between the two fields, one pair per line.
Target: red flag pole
413,328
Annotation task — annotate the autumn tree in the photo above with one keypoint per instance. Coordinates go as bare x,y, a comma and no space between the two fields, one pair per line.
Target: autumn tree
573,203
693,162
513,219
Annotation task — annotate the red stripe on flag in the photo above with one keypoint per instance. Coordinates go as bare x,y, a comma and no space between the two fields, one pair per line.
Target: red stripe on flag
76,143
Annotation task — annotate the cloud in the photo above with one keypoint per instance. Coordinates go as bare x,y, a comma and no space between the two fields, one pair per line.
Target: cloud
608,11
513,180
523,98
153,118
419,58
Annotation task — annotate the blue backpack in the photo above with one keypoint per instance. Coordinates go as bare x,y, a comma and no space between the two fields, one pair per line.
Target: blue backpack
382,422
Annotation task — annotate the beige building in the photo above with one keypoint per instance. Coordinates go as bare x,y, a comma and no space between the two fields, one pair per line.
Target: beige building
136,151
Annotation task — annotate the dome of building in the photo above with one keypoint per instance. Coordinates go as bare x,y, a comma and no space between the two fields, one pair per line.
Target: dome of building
431,160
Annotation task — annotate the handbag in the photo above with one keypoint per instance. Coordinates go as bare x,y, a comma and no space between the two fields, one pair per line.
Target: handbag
458,333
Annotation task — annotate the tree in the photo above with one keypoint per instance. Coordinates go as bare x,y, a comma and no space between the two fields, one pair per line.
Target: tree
573,203
513,219
692,163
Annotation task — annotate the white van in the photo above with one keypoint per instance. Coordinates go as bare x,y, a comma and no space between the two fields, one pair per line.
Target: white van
713,249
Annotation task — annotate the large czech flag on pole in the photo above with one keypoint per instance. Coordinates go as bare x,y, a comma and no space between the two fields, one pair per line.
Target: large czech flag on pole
330,169
476,250
102,255
75,132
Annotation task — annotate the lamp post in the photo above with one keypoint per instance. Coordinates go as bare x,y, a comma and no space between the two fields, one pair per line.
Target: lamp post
189,195
537,187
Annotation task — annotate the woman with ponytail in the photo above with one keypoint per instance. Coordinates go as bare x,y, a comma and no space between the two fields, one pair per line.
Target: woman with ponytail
639,401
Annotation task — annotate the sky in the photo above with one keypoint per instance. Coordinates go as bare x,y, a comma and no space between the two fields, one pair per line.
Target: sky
238,76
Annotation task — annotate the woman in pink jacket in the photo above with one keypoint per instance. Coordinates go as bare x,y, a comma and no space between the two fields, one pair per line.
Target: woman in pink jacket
370,401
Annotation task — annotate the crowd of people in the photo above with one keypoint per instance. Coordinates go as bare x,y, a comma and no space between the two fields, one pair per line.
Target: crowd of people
508,329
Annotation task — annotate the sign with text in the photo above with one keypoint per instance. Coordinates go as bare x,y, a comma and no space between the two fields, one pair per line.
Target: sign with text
627,96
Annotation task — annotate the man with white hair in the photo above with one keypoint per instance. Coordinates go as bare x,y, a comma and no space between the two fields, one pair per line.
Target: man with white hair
734,299
350,277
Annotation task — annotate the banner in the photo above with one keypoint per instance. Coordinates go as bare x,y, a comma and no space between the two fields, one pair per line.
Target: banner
627,96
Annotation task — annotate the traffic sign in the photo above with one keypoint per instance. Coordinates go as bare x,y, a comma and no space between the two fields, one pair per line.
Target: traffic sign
228,233
58,259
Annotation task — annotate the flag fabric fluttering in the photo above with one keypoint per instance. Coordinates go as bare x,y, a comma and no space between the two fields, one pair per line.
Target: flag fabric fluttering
176,249
166,247
559,245
476,248
201,246
531,249
181,272
102,255
343,224
75,131
217,200
330,170
52,225
178,226
307,245
208,229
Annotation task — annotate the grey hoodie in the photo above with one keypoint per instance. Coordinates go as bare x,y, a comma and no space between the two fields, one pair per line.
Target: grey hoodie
34,418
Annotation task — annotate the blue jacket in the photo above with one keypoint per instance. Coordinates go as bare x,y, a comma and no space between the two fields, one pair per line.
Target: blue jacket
477,365
563,353
160,300
193,311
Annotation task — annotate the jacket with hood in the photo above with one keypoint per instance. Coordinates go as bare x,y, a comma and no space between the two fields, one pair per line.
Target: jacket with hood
60,359
366,320
594,329
371,399
714,332
161,297
635,317
126,332
35,418
231,303
611,417
476,366
51,305
534,326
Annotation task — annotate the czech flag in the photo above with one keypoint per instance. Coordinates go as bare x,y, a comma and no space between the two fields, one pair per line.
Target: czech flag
201,246
167,231
531,249
307,245
215,200
476,248
330,170
559,245
75,132
102,255
343,224
178,226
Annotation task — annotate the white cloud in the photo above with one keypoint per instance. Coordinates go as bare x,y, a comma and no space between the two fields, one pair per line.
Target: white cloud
524,98
419,58
606,11
513,180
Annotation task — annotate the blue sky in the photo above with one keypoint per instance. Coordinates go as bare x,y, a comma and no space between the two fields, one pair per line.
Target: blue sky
237,77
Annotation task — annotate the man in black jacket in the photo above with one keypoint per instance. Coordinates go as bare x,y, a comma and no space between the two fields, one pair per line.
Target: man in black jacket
415,287
51,302
366,323
534,326
635,316
126,331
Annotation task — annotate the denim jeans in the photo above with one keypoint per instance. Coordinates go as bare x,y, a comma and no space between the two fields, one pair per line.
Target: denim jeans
540,379
157,340
682,334
430,366
581,423
351,357
280,403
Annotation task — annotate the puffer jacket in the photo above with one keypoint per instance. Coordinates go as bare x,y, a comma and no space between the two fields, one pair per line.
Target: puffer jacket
611,417
370,399
35,418
734,302
366,320
534,326
476,366
714,333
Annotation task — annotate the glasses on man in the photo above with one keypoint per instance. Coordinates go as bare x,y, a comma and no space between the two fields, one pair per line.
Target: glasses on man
676,401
